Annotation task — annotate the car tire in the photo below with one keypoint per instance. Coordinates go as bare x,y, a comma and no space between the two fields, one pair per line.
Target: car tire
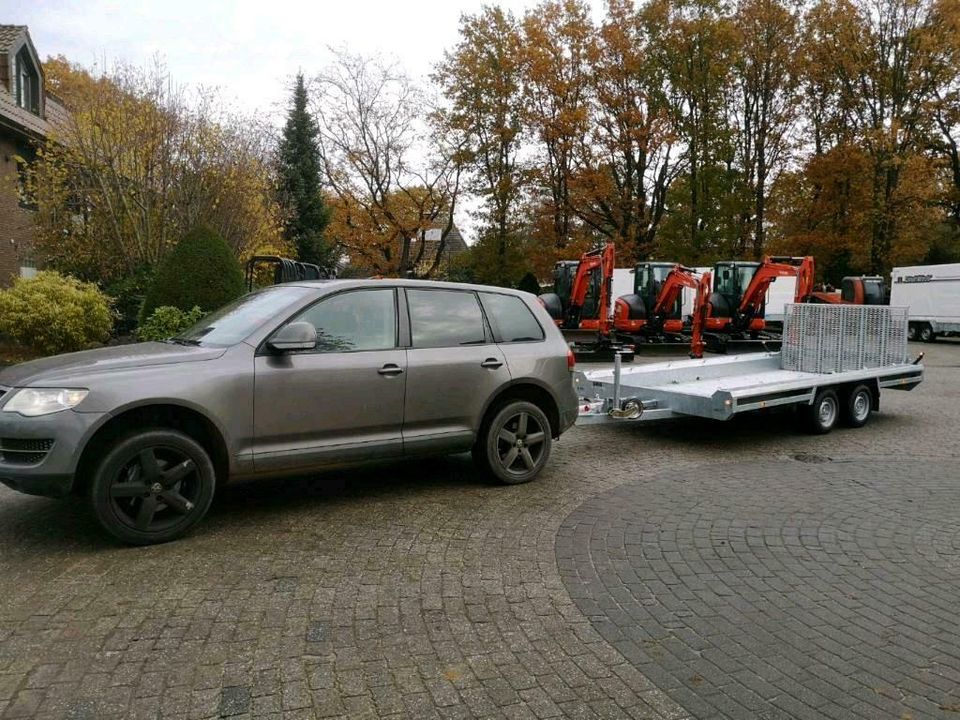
514,442
926,334
858,404
821,417
152,486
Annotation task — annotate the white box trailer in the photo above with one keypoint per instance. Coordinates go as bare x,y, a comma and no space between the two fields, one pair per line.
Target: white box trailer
931,294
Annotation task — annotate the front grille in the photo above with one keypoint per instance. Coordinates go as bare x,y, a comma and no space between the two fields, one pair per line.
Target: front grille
21,451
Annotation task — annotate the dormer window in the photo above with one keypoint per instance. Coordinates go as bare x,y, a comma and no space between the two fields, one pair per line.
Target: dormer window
28,82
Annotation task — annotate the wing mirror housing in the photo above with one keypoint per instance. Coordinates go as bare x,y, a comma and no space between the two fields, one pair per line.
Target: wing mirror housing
292,337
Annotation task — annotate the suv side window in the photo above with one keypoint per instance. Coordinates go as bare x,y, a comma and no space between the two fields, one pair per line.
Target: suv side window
354,320
445,318
511,318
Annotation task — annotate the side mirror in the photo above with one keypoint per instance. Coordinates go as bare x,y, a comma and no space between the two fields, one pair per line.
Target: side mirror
295,336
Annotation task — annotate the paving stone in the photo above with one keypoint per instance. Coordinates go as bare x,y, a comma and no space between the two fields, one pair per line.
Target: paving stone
395,590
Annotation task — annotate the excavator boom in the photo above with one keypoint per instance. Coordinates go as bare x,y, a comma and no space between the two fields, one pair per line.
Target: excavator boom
770,270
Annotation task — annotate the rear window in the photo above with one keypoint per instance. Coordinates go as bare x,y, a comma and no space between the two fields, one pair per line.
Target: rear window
445,318
513,320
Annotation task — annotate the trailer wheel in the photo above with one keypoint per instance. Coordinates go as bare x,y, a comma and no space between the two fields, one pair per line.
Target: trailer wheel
912,332
820,417
857,406
927,334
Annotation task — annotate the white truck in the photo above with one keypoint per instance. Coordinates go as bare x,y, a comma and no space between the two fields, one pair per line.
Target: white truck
932,295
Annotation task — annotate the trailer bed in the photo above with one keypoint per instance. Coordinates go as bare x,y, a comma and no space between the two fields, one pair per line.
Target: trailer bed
844,346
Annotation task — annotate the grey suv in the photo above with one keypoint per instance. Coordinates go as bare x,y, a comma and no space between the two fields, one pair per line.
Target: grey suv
287,380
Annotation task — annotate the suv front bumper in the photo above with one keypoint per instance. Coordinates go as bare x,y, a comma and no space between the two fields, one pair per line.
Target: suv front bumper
39,455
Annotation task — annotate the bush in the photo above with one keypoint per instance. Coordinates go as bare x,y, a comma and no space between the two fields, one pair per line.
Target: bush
53,313
201,271
128,293
167,321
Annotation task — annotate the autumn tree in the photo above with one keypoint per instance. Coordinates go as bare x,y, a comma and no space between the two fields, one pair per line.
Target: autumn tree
305,212
695,45
626,162
888,60
395,176
557,35
482,81
765,97
135,164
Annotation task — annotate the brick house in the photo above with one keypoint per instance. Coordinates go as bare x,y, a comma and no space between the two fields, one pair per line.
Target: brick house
28,113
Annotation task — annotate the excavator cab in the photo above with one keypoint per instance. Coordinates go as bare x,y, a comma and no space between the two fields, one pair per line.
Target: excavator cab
564,273
557,303
590,310
648,281
581,296
867,290
654,311
730,282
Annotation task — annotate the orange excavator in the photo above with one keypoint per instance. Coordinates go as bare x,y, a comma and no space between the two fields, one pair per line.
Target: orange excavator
731,317
855,290
580,304
581,296
653,313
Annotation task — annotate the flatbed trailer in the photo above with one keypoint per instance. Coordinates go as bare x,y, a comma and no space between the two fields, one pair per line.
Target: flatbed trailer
833,366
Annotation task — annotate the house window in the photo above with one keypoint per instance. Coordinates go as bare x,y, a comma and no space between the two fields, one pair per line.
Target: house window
28,266
28,83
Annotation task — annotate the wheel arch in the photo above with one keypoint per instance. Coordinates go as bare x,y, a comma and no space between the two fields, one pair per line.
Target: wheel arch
158,413
532,391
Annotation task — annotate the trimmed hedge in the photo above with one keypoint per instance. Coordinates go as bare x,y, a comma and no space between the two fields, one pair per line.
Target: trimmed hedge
53,313
201,271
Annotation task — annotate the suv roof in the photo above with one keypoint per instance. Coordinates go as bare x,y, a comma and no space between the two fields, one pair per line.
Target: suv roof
401,282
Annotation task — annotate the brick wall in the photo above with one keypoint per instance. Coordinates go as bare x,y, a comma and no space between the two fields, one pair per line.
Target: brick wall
16,223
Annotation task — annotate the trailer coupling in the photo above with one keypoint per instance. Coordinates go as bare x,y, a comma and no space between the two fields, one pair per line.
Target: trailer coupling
599,410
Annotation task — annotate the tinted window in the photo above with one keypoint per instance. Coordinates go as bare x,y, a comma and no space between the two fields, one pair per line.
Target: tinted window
514,321
359,320
591,302
234,322
445,318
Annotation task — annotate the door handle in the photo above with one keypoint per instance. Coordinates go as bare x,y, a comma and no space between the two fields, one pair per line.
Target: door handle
491,363
390,369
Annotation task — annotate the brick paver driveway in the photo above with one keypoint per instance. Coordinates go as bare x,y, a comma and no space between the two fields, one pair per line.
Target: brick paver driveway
689,570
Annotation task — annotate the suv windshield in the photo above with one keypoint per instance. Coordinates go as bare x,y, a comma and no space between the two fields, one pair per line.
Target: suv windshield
234,322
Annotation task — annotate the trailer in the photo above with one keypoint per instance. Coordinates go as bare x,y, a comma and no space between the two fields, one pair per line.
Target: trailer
932,295
834,362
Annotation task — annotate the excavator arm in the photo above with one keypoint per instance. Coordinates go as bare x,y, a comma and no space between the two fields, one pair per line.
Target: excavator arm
602,261
677,279
772,268
701,309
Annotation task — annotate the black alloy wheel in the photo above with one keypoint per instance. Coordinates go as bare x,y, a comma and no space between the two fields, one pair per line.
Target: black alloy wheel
152,486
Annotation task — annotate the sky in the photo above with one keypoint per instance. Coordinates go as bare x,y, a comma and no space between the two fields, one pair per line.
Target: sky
248,49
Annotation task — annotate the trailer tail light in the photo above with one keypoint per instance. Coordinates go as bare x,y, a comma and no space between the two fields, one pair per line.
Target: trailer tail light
571,360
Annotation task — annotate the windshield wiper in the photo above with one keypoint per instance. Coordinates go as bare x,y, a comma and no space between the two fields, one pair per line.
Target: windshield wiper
183,341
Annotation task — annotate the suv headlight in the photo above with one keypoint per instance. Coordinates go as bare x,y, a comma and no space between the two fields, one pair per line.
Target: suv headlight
32,402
